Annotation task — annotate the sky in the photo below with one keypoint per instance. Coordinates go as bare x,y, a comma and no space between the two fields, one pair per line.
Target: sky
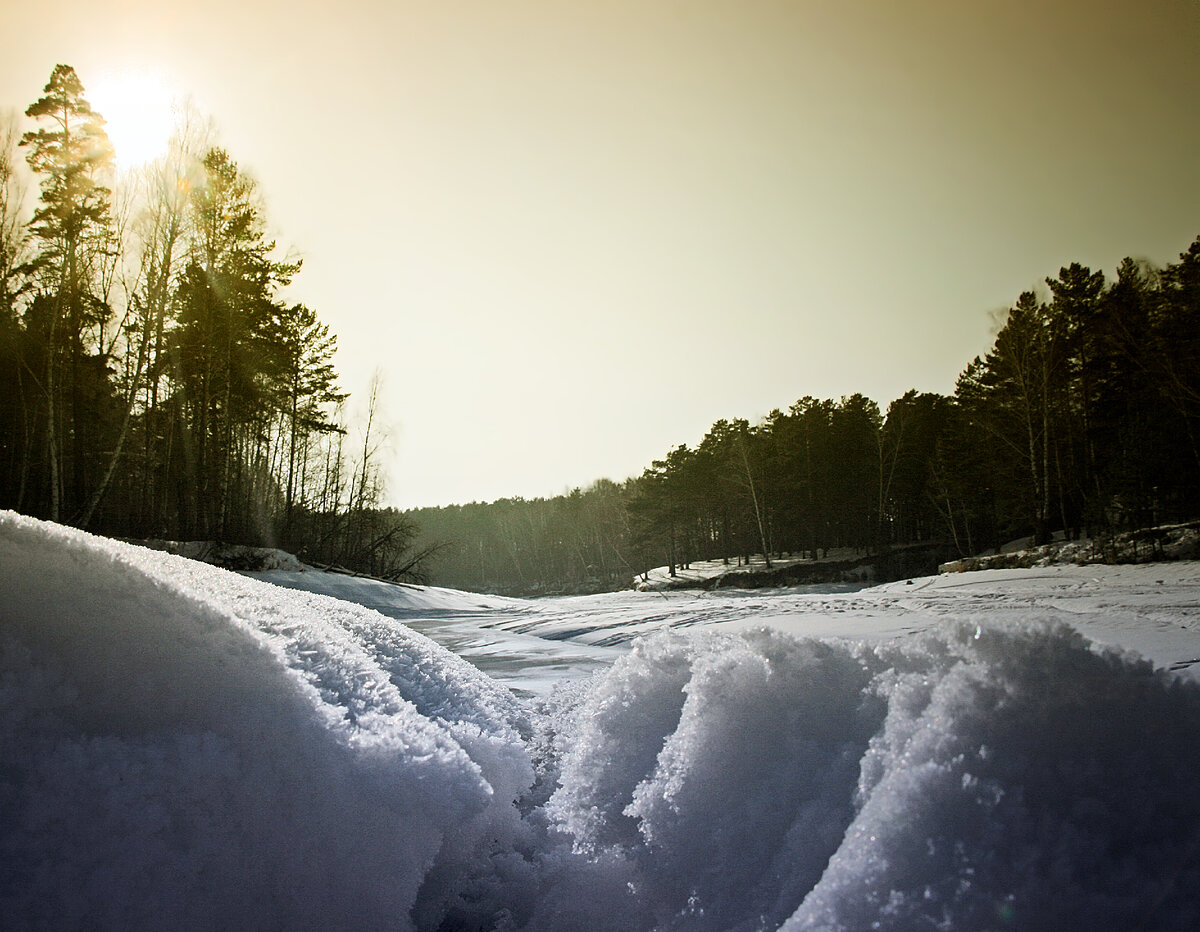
571,236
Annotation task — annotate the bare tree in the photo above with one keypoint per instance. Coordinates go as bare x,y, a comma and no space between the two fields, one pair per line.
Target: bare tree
149,225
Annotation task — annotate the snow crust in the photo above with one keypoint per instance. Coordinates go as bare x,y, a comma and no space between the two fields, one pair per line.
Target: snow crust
184,747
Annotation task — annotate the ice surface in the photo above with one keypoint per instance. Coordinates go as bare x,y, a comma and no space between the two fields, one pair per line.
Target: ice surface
184,747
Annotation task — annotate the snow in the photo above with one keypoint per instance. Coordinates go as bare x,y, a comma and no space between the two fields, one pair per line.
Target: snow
187,747
466,624
701,572
1170,542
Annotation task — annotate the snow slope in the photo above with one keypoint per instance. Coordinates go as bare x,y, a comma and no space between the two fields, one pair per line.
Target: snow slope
184,747
465,623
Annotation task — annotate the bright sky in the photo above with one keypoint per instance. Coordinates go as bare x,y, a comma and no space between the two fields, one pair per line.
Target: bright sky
571,235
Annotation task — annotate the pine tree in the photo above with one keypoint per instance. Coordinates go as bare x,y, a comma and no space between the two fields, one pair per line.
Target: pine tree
15,388
306,388
71,227
1177,340
223,346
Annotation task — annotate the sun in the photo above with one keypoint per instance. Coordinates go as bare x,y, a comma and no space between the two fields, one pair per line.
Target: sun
139,114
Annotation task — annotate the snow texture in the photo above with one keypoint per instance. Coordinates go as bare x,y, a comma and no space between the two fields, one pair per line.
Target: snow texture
184,747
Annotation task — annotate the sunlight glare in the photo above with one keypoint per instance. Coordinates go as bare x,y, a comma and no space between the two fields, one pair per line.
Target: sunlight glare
138,109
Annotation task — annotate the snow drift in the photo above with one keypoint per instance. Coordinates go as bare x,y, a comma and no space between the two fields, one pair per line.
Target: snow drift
186,747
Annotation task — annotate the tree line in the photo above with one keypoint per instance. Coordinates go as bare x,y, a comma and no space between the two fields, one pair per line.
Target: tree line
154,380
1083,418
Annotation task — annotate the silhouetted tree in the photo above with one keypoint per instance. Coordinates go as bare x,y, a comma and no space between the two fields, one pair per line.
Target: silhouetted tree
225,358
72,153
16,387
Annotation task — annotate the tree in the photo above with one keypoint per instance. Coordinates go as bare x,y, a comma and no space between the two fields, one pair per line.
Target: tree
1009,394
803,453
1129,430
14,234
224,355
915,426
1177,329
660,504
745,463
73,153
857,422
15,426
1074,325
149,224
964,477
307,386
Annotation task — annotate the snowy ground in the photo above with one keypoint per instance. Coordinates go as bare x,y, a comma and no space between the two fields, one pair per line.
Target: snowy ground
530,645
484,629
184,747
700,571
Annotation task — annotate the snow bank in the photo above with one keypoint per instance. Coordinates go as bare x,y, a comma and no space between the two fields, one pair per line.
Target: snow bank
968,779
1148,545
700,573
187,748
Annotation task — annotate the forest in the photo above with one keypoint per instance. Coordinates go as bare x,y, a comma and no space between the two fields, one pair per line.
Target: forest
156,383
1083,418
